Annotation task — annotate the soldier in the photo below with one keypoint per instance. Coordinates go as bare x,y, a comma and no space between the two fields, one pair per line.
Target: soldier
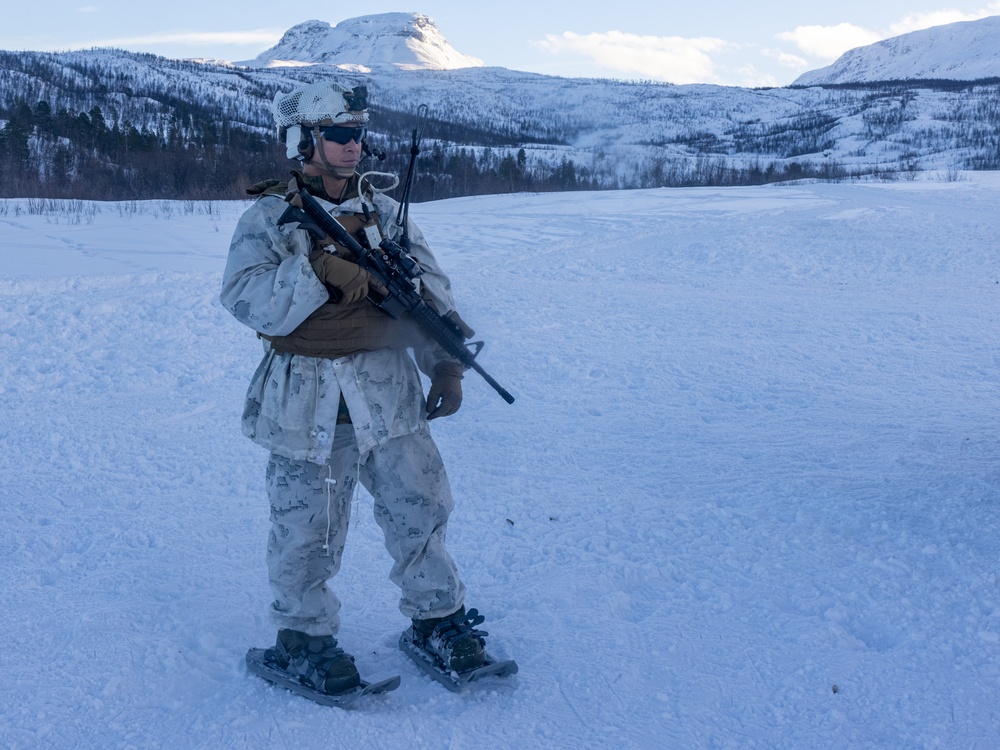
337,399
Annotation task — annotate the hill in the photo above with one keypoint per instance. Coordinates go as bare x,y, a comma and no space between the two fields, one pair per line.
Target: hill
966,51
115,124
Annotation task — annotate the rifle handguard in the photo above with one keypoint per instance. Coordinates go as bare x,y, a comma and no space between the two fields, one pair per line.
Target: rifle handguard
460,325
393,269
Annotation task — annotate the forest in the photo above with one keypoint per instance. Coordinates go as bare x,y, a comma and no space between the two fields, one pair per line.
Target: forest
114,125
79,155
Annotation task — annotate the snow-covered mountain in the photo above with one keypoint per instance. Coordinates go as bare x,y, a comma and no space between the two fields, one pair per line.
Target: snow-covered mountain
964,51
408,41
489,129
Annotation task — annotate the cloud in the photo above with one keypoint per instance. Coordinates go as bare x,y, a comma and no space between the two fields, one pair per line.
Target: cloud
830,42
673,59
785,59
748,76
265,37
827,43
711,60
918,21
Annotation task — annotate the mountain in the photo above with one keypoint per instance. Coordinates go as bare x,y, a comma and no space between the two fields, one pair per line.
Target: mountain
964,51
113,124
407,41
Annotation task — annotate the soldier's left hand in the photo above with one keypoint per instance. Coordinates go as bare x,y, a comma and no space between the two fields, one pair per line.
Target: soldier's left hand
445,395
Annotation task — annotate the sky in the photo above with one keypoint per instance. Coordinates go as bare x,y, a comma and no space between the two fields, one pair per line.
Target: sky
709,41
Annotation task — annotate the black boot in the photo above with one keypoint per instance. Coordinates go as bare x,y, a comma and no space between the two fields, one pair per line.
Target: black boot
317,661
454,639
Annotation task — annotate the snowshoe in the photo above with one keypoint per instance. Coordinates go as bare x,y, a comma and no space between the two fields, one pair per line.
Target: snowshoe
314,667
452,651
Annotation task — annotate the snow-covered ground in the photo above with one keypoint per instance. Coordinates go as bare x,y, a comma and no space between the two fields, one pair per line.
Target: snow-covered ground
748,495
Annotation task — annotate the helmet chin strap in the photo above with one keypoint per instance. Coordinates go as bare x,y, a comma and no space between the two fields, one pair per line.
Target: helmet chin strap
341,173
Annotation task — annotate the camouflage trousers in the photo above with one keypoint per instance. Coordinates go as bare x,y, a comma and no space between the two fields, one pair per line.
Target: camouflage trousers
310,509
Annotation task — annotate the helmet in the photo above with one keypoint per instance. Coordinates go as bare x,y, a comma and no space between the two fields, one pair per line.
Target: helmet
314,105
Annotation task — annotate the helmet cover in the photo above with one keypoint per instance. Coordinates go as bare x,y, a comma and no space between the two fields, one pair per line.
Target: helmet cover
321,103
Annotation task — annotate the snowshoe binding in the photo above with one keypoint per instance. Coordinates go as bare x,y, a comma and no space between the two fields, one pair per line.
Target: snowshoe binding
314,667
452,651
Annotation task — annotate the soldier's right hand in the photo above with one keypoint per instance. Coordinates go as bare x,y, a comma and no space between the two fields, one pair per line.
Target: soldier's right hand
349,279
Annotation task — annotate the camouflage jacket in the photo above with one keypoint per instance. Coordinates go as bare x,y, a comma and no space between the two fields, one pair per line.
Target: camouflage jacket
292,402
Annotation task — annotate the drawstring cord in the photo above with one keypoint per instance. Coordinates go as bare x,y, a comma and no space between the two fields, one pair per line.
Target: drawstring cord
330,481
356,496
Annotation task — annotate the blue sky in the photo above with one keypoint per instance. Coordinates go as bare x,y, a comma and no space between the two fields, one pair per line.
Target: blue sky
707,41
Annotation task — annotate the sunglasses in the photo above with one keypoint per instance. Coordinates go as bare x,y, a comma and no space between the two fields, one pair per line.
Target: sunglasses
342,134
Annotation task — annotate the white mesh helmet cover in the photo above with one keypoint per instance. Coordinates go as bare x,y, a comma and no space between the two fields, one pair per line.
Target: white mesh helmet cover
315,104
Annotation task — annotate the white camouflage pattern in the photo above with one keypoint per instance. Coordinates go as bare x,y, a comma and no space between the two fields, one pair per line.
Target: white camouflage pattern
412,503
291,410
292,401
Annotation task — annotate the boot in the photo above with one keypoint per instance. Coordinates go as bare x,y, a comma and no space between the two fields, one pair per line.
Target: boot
316,660
454,639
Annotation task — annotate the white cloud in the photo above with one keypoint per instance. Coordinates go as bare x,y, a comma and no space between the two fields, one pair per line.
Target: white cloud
827,43
673,59
918,21
711,60
830,42
748,76
785,59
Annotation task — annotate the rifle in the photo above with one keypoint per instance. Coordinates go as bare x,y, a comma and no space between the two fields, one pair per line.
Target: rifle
395,270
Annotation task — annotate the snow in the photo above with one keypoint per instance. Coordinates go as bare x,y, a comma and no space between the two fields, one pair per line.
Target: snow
963,51
621,134
747,496
407,41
